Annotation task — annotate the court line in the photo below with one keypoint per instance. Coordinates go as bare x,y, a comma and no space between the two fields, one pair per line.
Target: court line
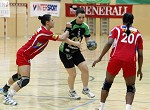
82,104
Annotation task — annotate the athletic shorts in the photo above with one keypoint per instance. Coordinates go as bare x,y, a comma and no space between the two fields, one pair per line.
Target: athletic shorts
22,59
115,65
69,60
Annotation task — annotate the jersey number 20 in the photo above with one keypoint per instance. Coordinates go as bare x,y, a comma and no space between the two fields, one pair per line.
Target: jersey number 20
128,39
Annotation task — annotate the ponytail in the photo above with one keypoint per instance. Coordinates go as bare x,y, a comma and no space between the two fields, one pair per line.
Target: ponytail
128,30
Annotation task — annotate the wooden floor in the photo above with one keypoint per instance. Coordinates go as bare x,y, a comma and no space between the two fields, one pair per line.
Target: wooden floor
48,89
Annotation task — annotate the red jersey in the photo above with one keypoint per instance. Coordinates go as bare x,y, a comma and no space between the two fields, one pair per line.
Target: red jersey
124,47
37,42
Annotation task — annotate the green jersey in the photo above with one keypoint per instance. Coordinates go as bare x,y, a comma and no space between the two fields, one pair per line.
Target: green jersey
77,33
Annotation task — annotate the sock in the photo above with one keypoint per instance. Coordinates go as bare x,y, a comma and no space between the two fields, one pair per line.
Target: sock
101,107
6,87
11,93
71,90
85,88
128,107
8,84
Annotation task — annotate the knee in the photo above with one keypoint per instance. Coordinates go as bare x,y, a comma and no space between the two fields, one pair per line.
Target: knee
23,81
16,77
106,85
72,75
131,88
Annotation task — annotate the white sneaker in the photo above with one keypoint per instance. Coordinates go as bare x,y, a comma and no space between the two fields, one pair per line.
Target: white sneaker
74,95
3,92
9,101
88,93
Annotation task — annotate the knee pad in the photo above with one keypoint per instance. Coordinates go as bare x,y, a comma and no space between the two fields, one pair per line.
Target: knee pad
23,81
106,86
131,88
16,77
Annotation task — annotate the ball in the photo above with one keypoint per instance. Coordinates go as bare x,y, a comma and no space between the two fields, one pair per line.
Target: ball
91,45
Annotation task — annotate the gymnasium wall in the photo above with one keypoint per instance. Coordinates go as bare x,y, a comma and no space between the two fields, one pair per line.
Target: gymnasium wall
141,21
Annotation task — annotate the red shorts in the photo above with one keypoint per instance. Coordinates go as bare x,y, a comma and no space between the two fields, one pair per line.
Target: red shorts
115,65
22,59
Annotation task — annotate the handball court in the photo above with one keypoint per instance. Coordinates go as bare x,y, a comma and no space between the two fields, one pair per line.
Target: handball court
48,89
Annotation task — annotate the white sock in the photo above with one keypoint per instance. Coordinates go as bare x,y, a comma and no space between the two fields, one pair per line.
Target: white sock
128,107
71,90
101,107
8,84
85,88
11,93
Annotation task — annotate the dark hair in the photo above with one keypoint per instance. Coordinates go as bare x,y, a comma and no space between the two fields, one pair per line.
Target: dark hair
128,20
44,18
80,10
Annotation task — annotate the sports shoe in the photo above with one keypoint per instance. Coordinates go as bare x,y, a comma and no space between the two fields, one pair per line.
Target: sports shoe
88,93
2,91
74,95
9,101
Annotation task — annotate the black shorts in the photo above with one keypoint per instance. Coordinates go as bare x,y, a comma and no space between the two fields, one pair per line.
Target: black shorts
69,60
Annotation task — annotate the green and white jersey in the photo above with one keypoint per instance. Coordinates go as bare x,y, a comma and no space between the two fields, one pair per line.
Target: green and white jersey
77,33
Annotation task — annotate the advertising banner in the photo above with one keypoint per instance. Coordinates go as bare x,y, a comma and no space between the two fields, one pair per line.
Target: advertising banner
99,11
41,8
4,8
133,1
91,1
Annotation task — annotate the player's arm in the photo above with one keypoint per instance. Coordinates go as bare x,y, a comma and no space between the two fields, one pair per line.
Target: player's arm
65,35
71,42
104,51
87,39
140,63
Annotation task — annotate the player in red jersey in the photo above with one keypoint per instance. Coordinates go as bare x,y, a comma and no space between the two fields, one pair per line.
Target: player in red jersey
126,41
33,47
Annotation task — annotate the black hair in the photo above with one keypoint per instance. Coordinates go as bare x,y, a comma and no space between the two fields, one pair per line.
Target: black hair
44,18
128,20
80,10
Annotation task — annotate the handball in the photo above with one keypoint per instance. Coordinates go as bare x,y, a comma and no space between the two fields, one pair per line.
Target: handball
91,45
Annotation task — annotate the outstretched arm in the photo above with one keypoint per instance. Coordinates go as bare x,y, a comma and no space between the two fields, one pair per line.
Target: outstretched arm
104,51
65,35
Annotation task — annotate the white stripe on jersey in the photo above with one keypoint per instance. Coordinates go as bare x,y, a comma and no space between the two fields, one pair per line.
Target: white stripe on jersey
116,41
138,35
40,48
42,34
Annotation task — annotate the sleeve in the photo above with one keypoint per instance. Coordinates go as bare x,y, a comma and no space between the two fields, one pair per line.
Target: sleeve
113,33
87,31
54,37
140,42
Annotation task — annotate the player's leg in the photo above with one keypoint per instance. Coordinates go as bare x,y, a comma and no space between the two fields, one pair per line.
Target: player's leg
71,81
129,73
24,80
14,78
79,61
105,89
113,68
85,78
69,65
130,83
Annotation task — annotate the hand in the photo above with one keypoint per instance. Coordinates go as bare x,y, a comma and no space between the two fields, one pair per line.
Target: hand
79,45
139,72
96,61
68,25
